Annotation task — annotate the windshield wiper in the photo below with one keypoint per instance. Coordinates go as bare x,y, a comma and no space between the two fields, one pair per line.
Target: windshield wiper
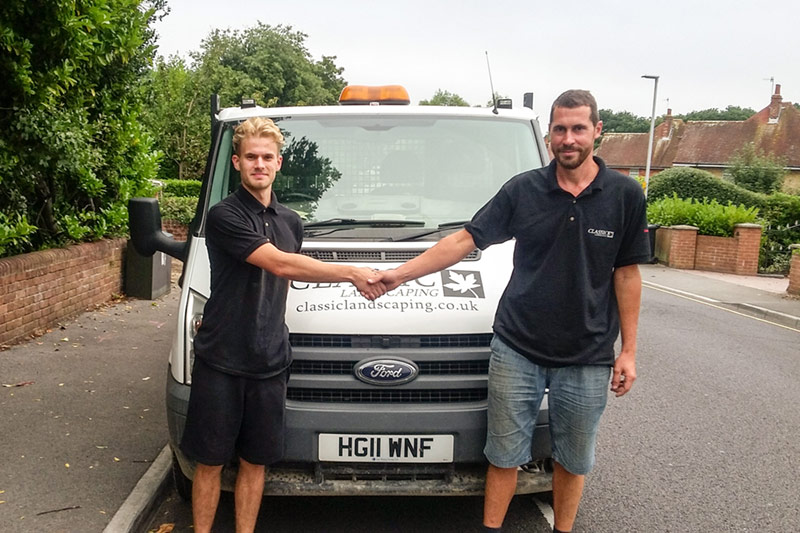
339,224
442,227
364,222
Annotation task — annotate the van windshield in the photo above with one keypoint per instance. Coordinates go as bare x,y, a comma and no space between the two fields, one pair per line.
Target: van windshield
425,170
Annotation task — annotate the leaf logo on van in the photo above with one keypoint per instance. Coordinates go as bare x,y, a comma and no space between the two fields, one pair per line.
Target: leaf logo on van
462,284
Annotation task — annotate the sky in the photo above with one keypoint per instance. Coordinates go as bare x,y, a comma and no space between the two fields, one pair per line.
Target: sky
707,53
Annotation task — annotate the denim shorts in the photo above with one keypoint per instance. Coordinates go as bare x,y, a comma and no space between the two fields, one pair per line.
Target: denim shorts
576,398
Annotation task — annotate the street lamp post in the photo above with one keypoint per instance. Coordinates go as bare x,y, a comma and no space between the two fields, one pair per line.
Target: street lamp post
652,127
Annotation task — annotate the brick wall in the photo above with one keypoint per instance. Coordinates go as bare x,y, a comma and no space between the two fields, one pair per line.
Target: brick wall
41,288
681,247
748,237
675,246
716,254
794,272
178,230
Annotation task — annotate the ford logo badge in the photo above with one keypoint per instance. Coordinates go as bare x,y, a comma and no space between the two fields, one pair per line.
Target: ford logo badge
386,372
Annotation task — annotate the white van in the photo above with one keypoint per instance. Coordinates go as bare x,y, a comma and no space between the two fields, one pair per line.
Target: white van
389,396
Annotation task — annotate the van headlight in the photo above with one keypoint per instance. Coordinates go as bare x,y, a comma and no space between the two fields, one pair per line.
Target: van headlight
194,318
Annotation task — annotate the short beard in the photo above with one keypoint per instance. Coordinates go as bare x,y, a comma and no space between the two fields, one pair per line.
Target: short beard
572,165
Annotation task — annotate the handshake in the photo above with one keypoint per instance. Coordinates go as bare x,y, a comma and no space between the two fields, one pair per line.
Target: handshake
373,284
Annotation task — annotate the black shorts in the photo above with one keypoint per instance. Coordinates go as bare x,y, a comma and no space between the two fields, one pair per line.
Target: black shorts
232,415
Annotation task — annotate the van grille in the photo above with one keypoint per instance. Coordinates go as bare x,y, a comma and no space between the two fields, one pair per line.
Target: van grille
426,368
322,371
302,340
374,256
386,396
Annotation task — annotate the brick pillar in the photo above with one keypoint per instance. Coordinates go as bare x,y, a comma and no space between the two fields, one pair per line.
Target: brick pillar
676,245
748,243
794,271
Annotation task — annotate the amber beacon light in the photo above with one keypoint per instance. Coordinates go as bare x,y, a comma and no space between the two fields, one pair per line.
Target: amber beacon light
374,95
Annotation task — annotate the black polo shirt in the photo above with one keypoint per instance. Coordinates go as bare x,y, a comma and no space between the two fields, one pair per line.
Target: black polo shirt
243,330
559,307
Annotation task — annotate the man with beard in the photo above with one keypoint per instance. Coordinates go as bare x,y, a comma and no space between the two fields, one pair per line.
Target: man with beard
580,232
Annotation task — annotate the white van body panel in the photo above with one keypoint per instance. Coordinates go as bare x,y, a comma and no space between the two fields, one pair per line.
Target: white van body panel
461,299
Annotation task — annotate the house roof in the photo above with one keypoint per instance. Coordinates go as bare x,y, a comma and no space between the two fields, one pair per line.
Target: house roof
775,129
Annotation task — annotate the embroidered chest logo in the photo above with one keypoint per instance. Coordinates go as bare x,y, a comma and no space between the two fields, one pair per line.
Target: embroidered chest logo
607,233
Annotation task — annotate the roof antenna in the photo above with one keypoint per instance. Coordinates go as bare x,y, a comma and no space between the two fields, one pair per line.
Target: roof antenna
491,85
771,80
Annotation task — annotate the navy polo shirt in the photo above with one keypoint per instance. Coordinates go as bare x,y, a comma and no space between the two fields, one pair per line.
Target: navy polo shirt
243,330
559,307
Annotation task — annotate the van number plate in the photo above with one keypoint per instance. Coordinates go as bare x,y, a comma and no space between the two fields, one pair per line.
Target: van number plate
386,448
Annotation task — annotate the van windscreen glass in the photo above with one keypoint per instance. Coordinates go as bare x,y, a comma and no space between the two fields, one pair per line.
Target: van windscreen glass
435,170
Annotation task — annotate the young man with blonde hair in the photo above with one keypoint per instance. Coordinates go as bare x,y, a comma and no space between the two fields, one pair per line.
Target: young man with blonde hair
242,352
580,232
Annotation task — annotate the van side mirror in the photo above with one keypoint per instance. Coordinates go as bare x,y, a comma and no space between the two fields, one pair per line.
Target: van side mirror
144,220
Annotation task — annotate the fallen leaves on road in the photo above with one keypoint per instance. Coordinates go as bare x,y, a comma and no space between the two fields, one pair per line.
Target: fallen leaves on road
163,528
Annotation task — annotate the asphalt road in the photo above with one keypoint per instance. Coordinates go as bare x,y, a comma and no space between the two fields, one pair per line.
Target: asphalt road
706,441
88,417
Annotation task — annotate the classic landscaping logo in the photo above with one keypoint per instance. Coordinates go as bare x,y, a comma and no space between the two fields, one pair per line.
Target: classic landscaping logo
424,294
462,284
607,233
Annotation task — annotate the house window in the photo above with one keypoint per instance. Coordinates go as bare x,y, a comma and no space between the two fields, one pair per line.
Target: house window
634,173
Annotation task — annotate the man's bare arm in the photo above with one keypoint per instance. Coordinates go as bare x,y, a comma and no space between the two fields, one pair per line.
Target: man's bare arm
302,268
443,254
628,288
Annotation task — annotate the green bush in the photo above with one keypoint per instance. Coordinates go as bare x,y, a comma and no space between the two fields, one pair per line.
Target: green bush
72,147
178,208
709,216
781,215
688,182
14,234
188,188
756,171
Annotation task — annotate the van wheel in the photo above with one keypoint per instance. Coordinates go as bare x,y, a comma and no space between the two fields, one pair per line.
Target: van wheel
182,483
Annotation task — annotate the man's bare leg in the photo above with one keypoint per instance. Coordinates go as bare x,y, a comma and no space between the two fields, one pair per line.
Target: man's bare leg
501,484
205,496
248,496
567,492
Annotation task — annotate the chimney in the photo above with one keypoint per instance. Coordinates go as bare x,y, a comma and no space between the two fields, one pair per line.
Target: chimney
666,127
775,105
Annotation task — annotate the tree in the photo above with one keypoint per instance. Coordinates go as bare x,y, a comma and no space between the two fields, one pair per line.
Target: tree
266,63
445,98
627,122
623,122
731,112
177,113
756,171
269,64
72,149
